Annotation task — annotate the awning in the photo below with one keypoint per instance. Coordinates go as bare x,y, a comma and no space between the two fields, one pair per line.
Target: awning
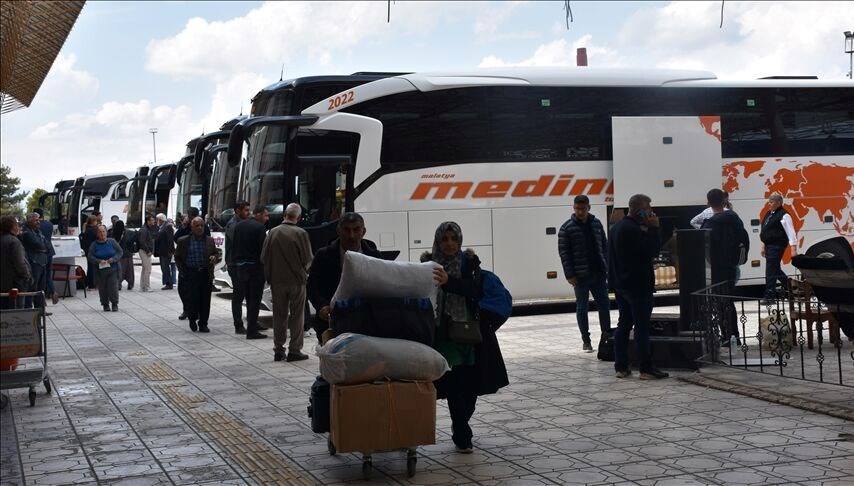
31,36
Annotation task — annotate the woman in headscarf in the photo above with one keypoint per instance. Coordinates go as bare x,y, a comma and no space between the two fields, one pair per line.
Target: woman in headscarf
475,369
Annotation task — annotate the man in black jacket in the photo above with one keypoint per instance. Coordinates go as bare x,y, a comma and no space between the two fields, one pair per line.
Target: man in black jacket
164,248
36,249
634,244
325,270
241,212
146,237
248,242
582,246
726,231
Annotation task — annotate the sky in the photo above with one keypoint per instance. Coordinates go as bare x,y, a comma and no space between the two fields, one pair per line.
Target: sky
187,67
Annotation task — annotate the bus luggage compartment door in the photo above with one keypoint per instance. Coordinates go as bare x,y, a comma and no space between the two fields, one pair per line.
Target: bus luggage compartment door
476,225
675,160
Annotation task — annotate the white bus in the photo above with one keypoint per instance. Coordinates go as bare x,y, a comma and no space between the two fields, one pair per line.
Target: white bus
504,151
93,193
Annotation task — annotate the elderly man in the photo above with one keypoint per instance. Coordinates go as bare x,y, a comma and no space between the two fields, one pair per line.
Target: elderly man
286,256
46,227
776,234
14,270
145,238
326,267
196,256
37,252
164,248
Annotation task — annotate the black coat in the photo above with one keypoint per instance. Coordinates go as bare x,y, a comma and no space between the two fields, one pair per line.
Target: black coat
630,255
164,242
489,369
325,272
572,247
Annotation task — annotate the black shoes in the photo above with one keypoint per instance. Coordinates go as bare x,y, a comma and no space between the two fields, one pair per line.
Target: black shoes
182,316
256,335
193,326
239,329
106,308
204,328
296,356
587,347
279,356
115,307
166,287
653,374
262,327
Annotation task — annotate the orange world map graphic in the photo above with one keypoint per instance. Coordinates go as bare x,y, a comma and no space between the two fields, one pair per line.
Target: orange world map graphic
828,189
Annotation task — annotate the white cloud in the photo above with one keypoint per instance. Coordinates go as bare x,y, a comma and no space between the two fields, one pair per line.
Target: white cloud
287,32
491,20
44,132
64,82
557,53
230,97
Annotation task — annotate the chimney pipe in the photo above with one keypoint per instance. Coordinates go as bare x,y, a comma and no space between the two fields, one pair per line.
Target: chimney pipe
581,56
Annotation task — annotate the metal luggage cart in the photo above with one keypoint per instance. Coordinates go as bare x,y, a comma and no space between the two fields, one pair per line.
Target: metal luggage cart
22,335
367,459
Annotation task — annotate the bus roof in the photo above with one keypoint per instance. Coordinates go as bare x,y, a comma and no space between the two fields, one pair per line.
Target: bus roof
361,77
562,76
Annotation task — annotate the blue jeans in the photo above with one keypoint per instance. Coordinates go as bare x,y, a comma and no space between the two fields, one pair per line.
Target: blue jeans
595,284
773,272
635,311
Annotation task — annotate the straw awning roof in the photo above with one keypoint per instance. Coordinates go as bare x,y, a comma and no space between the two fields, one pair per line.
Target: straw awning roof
32,33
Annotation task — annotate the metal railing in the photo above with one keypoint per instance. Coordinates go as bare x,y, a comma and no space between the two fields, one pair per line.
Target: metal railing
771,335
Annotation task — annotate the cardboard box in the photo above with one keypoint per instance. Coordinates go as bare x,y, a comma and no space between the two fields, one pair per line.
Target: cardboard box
380,416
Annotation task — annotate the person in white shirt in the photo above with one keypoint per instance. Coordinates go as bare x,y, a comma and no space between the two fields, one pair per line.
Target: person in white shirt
777,232
698,220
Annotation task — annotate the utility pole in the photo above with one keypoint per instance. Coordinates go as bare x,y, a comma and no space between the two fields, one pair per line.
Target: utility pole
153,132
849,49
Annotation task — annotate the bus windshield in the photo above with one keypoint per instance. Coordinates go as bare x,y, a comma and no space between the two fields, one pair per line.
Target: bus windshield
223,190
190,191
264,180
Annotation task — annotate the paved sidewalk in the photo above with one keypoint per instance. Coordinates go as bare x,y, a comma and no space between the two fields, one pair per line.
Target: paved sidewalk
139,399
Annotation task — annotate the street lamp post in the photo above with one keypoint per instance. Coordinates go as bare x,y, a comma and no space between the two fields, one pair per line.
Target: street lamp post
153,131
849,49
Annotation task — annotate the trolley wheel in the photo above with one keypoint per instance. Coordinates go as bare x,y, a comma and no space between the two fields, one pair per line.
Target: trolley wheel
47,386
32,395
410,466
367,468
4,400
331,447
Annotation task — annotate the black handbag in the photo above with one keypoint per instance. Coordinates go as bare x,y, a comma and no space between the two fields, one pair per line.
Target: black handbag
463,332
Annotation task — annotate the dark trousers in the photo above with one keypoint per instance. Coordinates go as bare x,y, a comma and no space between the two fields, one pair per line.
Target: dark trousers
251,277
727,278
166,269
49,290
90,273
198,301
460,386
583,288
635,311
127,270
237,296
183,292
39,274
773,271
108,285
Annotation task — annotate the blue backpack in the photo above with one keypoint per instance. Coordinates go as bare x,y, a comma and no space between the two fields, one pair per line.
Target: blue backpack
496,299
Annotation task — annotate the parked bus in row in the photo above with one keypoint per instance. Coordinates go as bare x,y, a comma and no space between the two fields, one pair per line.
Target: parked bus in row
504,151
83,197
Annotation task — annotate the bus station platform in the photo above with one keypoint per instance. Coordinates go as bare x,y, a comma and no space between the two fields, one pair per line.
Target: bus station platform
138,399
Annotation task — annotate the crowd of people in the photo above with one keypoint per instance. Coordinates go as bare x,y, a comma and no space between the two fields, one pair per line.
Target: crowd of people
594,259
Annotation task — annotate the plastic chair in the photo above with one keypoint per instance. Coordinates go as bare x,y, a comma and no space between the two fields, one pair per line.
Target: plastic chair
802,307
68,273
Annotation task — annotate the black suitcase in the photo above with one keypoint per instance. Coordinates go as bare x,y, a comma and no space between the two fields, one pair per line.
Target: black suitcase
318,406
606,347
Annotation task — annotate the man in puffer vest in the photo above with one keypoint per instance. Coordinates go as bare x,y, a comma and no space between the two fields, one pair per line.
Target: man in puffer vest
777,232
582,247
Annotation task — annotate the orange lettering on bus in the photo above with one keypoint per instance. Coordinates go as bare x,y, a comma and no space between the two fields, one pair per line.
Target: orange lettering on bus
588,186
535,188
492,189
441,190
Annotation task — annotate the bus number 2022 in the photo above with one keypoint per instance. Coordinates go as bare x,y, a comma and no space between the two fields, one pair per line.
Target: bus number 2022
341,99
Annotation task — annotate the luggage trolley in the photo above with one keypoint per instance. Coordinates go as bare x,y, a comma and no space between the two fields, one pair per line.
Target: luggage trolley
22,335
367,459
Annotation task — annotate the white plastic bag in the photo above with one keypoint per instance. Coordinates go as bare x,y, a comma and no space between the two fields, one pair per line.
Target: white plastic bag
365,276
354,358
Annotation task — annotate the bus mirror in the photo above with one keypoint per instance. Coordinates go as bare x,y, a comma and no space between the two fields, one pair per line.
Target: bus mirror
235,145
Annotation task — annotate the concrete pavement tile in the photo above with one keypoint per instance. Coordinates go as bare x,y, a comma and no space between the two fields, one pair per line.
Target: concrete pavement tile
203,474
805,471
588,475
151,480
118,471
546,464
485,472
78,476
745,476
844,465
642,470
56,464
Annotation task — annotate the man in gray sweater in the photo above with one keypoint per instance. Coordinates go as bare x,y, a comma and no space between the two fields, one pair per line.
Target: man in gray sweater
286,257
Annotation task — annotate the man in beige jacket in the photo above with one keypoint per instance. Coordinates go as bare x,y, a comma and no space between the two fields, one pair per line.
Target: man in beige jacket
286,257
